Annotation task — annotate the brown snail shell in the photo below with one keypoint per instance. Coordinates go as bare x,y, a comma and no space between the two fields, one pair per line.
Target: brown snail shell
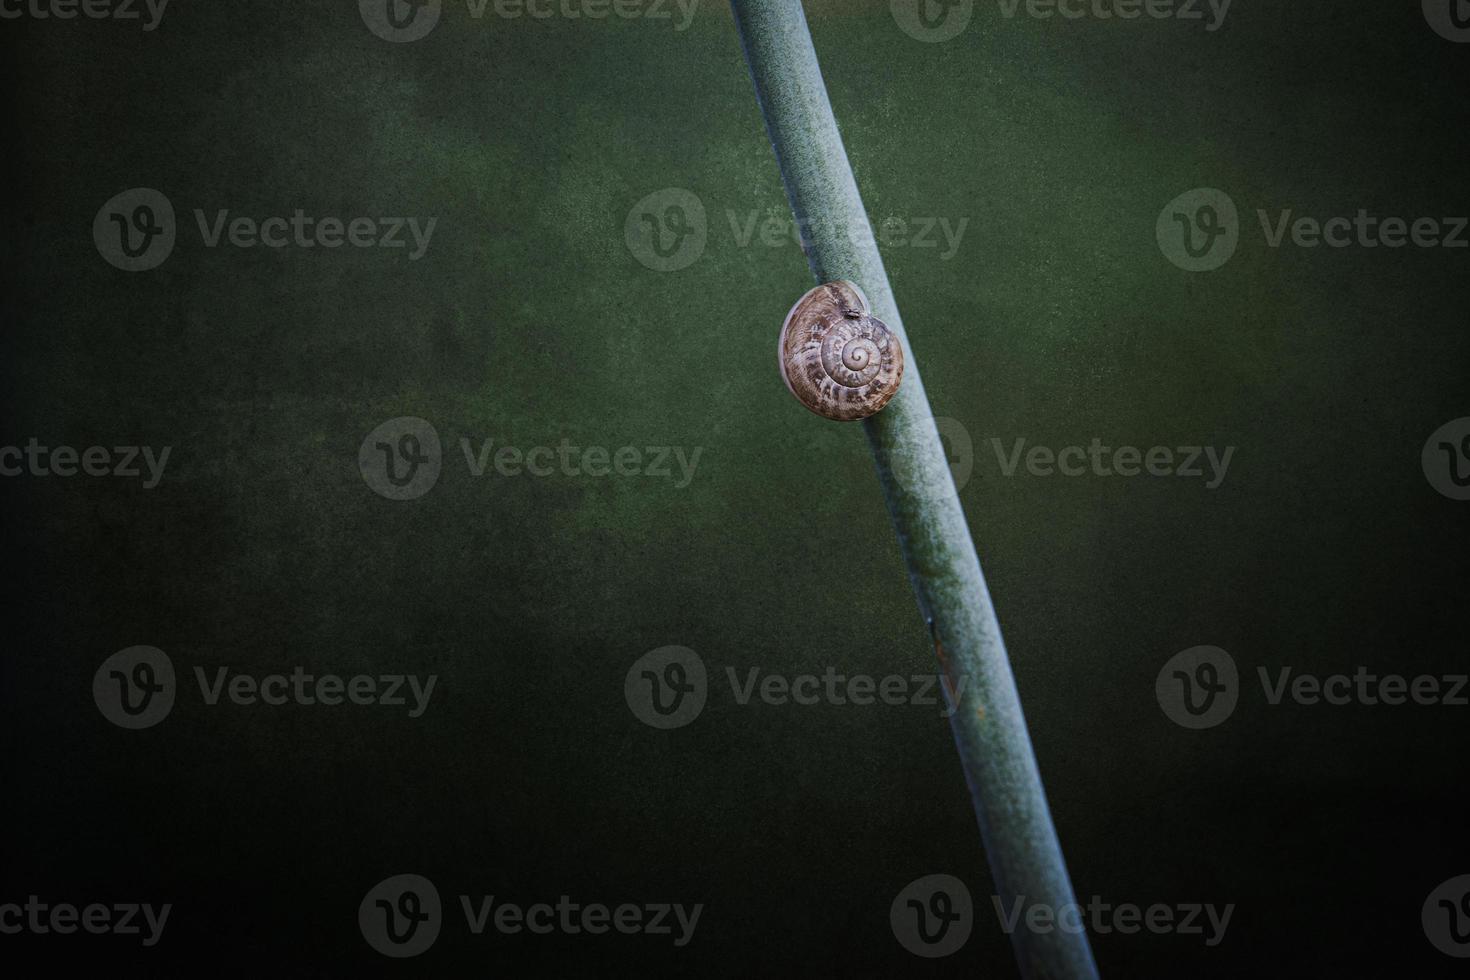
838,359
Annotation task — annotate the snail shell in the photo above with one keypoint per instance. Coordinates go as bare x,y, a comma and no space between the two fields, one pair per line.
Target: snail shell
839,360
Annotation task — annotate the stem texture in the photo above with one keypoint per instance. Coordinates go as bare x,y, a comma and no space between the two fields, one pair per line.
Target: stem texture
989,729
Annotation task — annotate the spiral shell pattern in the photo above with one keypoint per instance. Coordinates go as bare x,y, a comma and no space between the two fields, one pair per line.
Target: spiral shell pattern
839,360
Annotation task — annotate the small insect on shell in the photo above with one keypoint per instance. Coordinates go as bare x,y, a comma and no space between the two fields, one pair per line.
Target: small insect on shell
838,359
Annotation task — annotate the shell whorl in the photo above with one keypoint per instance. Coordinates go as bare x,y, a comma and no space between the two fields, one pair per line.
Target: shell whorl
838,359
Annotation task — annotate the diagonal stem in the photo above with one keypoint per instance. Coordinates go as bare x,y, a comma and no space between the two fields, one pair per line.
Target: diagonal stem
989,728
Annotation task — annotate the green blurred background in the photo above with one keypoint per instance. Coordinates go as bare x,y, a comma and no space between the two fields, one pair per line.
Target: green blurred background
530,321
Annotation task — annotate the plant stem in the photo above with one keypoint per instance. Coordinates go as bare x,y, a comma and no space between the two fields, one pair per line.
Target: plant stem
989,728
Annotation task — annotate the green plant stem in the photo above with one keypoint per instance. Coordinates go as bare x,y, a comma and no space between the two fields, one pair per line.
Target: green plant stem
989,728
